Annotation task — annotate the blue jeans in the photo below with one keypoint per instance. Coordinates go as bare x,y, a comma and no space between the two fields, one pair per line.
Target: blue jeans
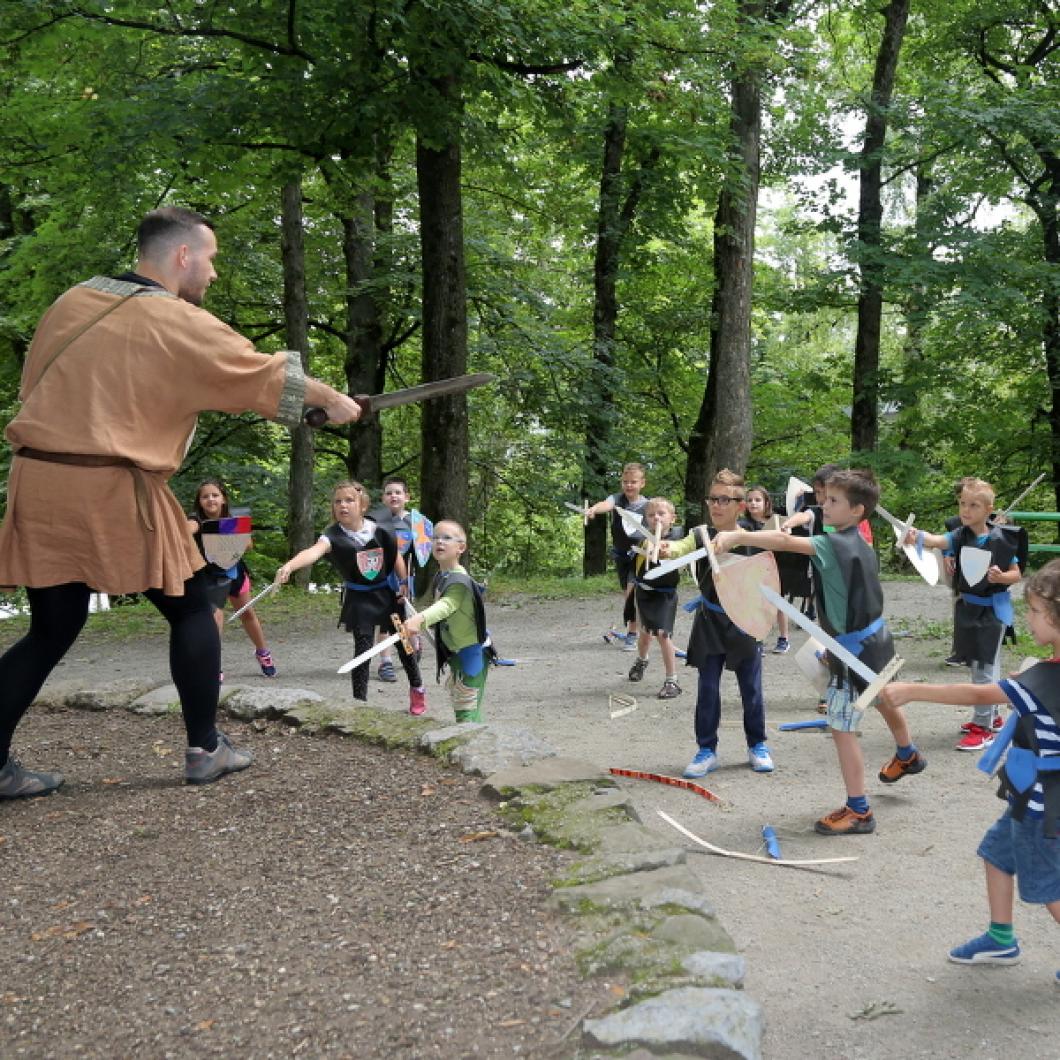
708,700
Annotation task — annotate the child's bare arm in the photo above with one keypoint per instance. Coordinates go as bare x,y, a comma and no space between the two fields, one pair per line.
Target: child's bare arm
900,692
606,505
803,518
306,558
996,576
771,540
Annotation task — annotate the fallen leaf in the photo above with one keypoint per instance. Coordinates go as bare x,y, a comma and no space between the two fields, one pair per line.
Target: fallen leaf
11,999
113,780
144,899
161,750
428,790
511,1023
477,837
205,1025
450,945
875,1009
70,931
618,991
3,840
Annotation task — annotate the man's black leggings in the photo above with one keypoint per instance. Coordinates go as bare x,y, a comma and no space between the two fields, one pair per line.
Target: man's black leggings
58,615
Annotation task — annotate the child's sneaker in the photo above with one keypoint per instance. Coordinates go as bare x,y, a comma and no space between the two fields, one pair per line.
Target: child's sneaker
387,672
759,759
629,642
636,671
417,701
782,646
670,689
610,635
997,724
706,761
984,950
845,821
897,767
264,657
955,661
975,739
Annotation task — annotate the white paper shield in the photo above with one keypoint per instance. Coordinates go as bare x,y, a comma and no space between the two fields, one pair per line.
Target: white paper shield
975,562
225,550
814,669
796,488
737,587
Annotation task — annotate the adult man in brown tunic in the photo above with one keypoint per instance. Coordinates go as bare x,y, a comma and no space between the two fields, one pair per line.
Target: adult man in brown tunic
115,377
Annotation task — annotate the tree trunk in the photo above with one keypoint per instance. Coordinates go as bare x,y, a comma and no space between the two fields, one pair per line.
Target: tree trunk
600,392
722,434
444,421
864,420
365,356
296,325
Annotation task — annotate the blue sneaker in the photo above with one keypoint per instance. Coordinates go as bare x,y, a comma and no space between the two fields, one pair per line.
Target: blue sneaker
984,950
629,642
759,758
706,761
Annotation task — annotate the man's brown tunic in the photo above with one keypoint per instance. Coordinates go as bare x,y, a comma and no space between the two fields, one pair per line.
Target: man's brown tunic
131,386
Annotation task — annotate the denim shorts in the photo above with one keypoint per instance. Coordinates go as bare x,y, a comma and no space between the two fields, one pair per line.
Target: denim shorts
1021,849
840,697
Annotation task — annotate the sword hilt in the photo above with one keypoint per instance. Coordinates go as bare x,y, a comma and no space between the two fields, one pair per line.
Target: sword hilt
316,417
399,628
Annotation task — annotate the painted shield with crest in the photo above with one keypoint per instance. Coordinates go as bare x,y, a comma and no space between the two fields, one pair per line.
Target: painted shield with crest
422,535
370,563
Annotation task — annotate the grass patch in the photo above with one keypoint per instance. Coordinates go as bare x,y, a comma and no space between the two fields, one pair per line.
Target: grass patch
504,587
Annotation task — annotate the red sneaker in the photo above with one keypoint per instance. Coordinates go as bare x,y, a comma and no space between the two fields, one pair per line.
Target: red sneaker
997,724
417,701
975,739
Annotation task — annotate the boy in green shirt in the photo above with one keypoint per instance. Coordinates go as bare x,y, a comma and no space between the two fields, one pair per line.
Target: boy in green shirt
849,602
461,619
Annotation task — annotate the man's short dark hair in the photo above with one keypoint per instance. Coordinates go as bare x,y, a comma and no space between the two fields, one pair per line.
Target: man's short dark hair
824,473
168,224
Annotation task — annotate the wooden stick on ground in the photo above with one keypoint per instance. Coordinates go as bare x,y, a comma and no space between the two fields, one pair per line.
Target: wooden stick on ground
797,864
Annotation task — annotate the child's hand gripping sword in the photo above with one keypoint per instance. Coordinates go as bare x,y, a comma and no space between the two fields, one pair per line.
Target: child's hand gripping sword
377,649
583,511
874,682
926,563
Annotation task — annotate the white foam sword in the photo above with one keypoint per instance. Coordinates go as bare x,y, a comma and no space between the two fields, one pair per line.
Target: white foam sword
874,682
583,511
377,649
271,588
683,561
926,563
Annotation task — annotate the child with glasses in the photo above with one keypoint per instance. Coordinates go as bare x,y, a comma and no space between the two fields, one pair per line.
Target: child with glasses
717,643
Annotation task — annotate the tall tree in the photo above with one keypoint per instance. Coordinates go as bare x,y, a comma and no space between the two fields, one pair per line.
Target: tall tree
864,420
296,329
721,435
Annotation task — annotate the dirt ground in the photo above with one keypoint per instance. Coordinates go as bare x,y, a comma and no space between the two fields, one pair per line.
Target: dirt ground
848,962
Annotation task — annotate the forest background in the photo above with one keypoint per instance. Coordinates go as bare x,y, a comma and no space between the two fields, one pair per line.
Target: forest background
762,234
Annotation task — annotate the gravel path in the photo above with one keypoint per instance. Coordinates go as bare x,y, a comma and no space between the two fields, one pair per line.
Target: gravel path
334,900
821,947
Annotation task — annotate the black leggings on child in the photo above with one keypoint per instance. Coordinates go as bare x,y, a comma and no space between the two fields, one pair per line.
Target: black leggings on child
58,614
359,677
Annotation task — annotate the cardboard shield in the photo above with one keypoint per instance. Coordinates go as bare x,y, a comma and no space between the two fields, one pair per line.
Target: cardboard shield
422,535
796,488
975,562
225,550
811,663
926,565
737,585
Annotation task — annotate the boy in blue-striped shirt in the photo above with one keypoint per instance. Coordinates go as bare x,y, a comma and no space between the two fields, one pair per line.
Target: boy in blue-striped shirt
1022,846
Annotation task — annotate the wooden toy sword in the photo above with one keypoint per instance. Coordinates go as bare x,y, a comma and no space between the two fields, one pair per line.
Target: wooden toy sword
370,403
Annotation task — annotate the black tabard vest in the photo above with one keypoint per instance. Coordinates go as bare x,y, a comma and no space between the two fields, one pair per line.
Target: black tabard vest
442,580
344,552
1002,547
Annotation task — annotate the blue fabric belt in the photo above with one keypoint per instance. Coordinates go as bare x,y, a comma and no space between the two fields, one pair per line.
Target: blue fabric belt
708,604
357,587
1000,602
854,642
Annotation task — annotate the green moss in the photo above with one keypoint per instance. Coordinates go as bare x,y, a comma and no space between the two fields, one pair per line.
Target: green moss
382,727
